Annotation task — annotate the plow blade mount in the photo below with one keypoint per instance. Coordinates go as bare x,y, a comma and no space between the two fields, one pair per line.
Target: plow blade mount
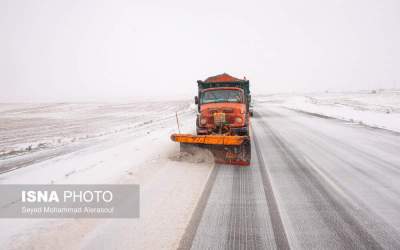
235,150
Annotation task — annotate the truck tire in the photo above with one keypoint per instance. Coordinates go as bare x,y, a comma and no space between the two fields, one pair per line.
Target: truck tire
246,151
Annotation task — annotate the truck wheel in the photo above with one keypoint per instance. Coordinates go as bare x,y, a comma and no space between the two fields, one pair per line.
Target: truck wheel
246,152
246,131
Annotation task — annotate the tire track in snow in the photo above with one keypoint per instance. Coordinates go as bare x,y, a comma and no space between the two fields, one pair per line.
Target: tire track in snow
238,213
191,229
276,219
339,216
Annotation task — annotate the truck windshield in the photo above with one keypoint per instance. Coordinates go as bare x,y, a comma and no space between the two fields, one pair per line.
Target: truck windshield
226,95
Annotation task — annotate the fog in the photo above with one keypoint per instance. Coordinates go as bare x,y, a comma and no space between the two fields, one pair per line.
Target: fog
125,50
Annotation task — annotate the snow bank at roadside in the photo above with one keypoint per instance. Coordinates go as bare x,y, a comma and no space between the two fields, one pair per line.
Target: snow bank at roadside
379,108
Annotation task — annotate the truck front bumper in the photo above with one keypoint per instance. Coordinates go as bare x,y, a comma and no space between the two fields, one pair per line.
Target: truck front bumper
241,131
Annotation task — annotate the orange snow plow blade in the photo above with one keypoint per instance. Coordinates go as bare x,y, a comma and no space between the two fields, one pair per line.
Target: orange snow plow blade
226,149
209,139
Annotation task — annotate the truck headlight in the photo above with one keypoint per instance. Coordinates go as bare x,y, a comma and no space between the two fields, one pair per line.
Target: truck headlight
203,121
238,120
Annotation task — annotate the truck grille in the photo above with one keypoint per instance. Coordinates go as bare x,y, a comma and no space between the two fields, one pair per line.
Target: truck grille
219,118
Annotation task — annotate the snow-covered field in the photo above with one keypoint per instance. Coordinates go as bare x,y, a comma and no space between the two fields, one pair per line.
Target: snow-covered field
101,144
378,108
31,127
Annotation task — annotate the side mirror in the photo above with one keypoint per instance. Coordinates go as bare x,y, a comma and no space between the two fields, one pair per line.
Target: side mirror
196,100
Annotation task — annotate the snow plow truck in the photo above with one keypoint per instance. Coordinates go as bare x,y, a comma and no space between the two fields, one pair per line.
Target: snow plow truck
223,120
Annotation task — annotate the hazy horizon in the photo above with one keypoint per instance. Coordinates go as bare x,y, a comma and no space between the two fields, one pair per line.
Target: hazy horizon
110,50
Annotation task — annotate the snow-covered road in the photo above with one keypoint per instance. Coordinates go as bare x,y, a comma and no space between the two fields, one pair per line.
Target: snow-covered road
314,183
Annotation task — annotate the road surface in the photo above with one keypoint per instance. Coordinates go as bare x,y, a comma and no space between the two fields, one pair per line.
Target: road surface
314,183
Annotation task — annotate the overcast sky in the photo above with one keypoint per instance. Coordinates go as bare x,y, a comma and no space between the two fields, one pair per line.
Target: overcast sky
69,50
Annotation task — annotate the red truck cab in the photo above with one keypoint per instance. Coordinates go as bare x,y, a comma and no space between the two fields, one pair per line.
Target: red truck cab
222,111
